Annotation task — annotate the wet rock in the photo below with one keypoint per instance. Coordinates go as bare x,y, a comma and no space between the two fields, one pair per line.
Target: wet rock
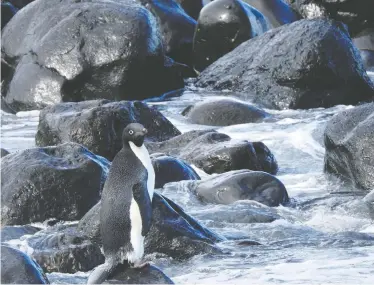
224,112
313,63
358,15
171,169
98,125
4,152
173,232
349,142
147,275
192,7
61,182
63,249
216,153
15,232
7,13
61,52
232,186
19,268
176,26
222,26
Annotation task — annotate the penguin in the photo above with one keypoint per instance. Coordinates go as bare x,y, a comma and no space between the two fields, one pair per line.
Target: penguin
126,205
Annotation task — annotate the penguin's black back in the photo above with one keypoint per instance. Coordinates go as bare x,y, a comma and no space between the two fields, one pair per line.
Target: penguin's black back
127,174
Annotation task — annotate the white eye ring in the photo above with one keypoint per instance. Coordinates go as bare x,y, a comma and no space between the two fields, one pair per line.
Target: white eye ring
131,132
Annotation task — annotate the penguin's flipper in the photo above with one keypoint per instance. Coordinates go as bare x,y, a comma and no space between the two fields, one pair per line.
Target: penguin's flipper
144,202
101,273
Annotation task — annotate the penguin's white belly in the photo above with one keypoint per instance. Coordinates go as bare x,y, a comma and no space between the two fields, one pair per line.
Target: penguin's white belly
136,238
143,155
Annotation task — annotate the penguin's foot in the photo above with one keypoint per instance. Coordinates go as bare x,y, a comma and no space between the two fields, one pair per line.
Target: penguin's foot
140,265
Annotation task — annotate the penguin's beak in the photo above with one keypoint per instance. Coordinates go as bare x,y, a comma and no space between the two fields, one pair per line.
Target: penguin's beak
145,131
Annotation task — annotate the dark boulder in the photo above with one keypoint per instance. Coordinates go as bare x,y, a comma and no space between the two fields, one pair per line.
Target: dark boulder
61,182
146,275
232,186
173,232
217,153
64,249
7,13
82,50
98,125
313,63
222,26
15,232
358,15
4,152
224,112
171,169
192,7
19,268
349,142
177,28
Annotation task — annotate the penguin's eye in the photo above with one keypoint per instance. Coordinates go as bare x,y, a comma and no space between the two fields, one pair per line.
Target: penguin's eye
131,132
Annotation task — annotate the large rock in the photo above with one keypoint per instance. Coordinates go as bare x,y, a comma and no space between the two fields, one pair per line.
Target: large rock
349,142
64,249
82,50
173,232
176,26
232,186
98,125
312,63
216,153
19,268
358,15
61,182
171,169
224,112
222,26
146,275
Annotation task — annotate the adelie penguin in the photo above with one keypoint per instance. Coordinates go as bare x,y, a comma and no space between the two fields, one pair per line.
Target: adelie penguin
126,205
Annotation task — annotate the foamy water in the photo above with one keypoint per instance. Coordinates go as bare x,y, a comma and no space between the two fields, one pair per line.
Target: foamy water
322,238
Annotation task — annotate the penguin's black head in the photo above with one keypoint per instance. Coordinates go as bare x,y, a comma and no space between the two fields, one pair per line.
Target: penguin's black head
135,133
